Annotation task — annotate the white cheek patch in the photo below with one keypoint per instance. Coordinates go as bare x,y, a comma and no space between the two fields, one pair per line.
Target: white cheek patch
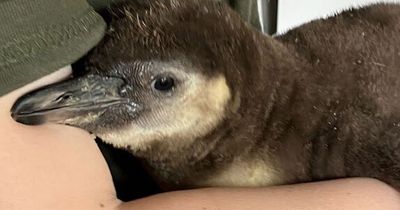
195,114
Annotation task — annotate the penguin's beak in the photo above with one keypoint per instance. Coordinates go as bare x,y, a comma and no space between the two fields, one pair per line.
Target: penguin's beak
69,99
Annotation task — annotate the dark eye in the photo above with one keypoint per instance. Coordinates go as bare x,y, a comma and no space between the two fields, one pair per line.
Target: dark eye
164,83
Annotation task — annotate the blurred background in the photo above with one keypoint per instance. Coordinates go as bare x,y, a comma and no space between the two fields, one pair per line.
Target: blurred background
278,16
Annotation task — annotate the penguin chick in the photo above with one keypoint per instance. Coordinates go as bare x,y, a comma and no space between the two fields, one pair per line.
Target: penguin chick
204,100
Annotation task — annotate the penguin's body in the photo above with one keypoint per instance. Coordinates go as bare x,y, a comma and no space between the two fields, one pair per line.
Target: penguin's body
204,100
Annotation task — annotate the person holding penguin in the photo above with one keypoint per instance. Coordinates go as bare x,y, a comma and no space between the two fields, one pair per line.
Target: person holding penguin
59,167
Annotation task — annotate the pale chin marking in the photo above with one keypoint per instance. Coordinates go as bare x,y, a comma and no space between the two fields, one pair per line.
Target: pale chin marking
122,139
244,173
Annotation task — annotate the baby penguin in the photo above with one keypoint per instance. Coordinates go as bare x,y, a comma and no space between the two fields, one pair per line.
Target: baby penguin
205,100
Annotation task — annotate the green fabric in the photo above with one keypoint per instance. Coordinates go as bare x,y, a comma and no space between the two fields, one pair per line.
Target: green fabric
38,37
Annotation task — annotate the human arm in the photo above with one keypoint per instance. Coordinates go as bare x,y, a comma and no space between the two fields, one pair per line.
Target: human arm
346,194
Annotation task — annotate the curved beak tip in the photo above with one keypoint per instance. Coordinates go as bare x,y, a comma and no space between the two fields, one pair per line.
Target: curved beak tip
28,120
17,113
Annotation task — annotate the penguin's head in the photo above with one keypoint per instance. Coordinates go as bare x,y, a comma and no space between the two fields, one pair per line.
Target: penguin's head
166,70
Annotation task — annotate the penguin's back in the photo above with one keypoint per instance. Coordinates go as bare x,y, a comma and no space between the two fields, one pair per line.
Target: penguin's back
353,56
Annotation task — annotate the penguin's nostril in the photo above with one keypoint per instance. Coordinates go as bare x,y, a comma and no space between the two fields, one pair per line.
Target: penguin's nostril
64,97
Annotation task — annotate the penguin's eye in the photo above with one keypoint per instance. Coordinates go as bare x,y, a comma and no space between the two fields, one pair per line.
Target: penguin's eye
164,83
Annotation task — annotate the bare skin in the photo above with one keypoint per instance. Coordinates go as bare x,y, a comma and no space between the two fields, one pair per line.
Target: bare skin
348,194
59,167
41,166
